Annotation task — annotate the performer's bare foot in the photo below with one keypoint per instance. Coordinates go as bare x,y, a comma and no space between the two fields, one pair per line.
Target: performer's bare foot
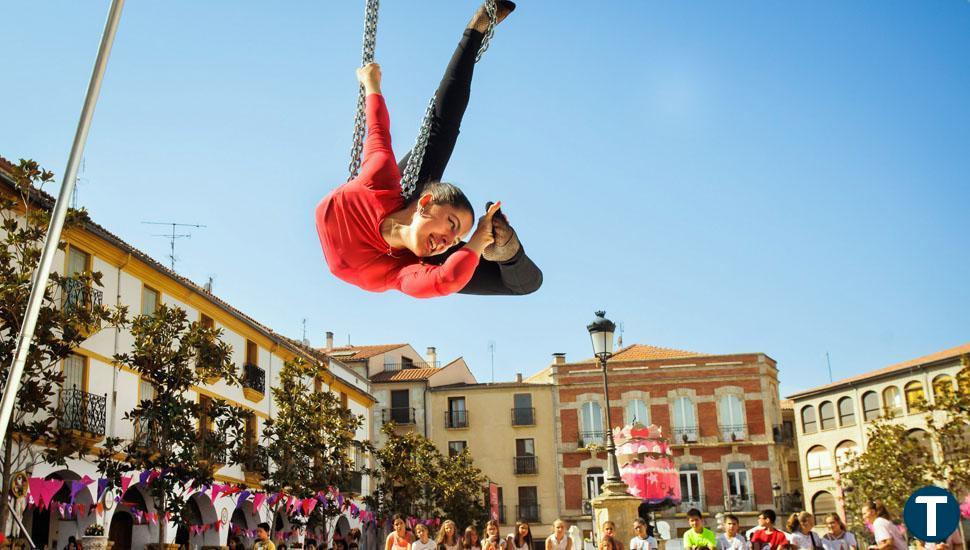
479,21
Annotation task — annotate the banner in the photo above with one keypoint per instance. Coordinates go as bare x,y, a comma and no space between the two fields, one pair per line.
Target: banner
493,500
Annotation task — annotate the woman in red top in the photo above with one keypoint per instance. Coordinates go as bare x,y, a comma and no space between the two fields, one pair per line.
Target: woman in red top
376,239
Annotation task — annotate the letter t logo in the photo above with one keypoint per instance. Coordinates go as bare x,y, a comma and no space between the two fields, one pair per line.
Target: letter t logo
931,502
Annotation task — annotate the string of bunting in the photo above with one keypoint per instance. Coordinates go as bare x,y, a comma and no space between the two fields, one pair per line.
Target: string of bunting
41,494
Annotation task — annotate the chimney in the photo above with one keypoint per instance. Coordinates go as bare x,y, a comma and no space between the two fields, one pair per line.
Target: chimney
329,341
432,356
559,358
518,377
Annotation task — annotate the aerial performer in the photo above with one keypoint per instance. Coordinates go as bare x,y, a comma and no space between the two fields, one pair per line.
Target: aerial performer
377,239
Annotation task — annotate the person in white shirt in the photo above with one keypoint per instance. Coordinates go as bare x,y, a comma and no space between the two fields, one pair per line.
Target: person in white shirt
643,537
521,539
424,541
888,536
800,526
838,538
559,540
730,539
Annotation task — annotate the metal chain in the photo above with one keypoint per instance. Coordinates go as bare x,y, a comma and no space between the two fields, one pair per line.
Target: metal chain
410,177
367,56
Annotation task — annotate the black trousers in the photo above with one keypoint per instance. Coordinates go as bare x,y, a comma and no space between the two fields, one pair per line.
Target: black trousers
519,275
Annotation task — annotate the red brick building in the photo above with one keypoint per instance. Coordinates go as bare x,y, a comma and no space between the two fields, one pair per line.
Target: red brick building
720,412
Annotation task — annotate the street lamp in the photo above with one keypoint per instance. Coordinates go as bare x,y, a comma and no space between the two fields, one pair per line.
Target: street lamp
601,332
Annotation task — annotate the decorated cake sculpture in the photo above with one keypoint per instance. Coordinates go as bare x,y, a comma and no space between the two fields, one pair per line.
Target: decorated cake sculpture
646,464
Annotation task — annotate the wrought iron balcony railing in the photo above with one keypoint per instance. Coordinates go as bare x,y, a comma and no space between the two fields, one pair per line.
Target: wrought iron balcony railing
525,465
527,512
685,434
738,503
694,501
82,411
147,435
733,432
79,295
254,378
398,415
593,437
388,367
456,419
523,416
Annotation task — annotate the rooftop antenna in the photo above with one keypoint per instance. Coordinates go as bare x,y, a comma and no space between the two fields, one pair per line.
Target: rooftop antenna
208,285
829,361
77,182
305,341
619,328
491,351
172,236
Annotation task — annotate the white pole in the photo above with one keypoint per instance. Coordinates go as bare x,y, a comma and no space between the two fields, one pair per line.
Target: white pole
42,275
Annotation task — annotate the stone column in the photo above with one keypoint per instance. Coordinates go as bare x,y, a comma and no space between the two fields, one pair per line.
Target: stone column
617,505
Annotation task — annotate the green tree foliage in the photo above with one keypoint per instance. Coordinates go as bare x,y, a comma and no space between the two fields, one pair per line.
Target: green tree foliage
311,440
898,460
183,438
69,314
414,478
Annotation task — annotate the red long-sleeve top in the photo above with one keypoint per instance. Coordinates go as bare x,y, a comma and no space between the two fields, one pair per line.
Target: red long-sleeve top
349,225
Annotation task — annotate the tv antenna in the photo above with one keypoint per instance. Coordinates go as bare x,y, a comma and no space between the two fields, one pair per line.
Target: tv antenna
619,329
77,182
172,236
491,351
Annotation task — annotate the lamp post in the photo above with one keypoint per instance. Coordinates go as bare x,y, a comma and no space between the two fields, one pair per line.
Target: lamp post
601,332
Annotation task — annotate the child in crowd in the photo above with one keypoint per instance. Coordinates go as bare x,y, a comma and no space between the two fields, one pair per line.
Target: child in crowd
558,540
642,536
731,539
800,526
470,540
399,539
888,536
767,537
838,538
492,540
424,541
448,538
608,539
521,539
698,536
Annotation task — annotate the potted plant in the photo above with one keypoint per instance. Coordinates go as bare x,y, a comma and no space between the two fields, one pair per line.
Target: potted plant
94,538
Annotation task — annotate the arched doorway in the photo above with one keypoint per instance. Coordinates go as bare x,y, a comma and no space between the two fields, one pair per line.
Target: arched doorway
133,530
54,528
198,512
823,503
120,531
243,521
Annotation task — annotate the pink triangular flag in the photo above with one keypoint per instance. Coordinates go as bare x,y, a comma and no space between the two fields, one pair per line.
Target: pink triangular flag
125,482
258,499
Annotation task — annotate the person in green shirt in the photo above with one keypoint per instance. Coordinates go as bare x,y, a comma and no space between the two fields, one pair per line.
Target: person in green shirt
698,536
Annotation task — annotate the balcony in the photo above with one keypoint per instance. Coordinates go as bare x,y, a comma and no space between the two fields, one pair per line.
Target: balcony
81,411
685,434
390,367
595,437
738,503
782,433
79,295
527,512
733,432
525,465
215,456
456,419
695,501
523,416
147,436
398,415
254,382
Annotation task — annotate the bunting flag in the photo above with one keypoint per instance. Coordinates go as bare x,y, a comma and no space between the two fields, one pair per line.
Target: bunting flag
243,496
100,508
76,487
216,489
102,487
258,499
153,475
125,482
43,490
143,477
308,506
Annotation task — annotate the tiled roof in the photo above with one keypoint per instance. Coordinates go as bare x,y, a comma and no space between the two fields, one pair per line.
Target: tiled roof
404,375
643,352
787,404
361,352
47,201
898,367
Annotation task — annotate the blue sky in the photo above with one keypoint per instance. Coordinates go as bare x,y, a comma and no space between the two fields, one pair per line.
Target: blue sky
790,178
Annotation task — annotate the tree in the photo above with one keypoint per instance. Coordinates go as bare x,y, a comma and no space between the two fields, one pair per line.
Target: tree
180,440
415,479
311,441
49,421
898,461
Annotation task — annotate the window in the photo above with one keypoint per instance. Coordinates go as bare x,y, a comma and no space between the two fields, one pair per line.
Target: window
819,462
149,300
942,386
344,402
636,411
78,262
595,478
737,477
591,424
252,430
401,407
525,456
826,415
528,504
731,414
457,415
522,412
685,420
252,353
823,503
74,372
407,363
892,401
846,451
690,484
846,412
456,447
915,398
870,406
206,321
809,425
71,413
